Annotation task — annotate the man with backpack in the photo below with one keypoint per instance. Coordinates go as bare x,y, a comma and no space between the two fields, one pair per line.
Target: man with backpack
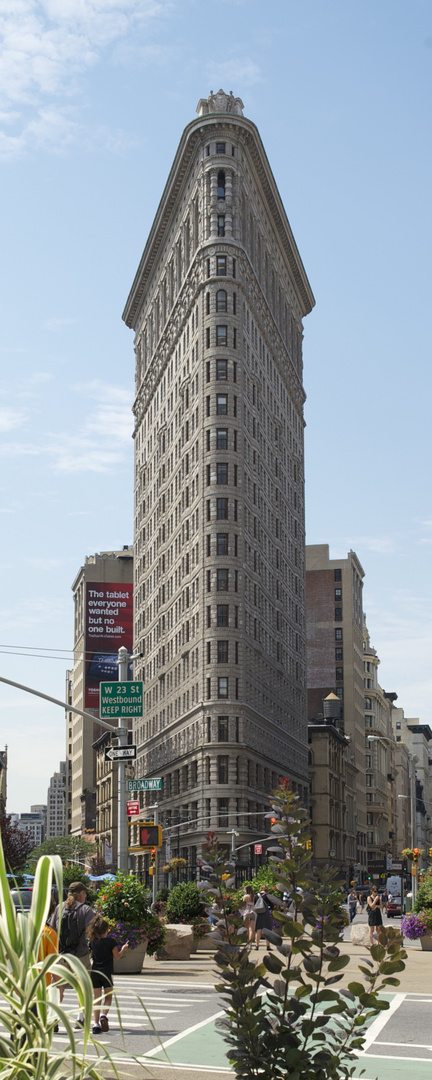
72,930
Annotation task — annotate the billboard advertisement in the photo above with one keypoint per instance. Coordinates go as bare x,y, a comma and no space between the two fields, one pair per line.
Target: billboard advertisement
109,624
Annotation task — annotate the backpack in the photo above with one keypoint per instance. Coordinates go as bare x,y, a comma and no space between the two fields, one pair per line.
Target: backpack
260,904
70,930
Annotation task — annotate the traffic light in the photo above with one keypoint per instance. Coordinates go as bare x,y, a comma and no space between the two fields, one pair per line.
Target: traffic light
308,845
430,852
152,867
416,853
272,821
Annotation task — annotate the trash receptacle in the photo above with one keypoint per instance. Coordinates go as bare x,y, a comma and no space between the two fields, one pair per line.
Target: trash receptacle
408,904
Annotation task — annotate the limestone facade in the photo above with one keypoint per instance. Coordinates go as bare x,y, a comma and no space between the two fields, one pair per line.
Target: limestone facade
217,306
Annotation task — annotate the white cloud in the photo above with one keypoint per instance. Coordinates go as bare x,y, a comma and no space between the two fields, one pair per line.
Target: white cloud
46,46
236,71
382,545
10,418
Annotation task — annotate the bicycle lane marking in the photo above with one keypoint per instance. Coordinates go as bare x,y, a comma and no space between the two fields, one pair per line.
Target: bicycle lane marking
193,1045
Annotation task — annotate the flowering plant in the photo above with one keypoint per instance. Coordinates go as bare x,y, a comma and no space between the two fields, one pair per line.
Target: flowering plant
416,926
125,904
200,927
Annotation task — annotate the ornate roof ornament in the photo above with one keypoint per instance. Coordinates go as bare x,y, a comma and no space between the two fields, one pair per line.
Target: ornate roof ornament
220,102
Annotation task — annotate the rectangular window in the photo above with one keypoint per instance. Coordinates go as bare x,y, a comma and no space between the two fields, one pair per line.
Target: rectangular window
233,268
338,635
222,769
221,368
222,543
208,689
338,654
221,336
338,575
208,475
339,674
338,594
235,407
208,580
208,371
207,337
222,729
208,618
222,805
222,509
221,265
221,439
222,580
222,686
220,147
222,652
234,338
221,224
222,472
338,614
222,614
222,404
207,406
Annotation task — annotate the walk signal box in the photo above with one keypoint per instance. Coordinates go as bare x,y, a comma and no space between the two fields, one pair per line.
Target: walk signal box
150,836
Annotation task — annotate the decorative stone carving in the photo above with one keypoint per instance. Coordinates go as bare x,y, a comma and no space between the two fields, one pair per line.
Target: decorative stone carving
220,102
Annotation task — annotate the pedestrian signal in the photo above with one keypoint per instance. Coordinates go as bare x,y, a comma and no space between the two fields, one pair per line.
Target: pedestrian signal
150,836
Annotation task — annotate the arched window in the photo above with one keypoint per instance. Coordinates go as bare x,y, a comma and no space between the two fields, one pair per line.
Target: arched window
221,300
367,703
221,184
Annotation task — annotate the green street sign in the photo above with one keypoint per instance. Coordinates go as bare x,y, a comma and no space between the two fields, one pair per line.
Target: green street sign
152,784
118,699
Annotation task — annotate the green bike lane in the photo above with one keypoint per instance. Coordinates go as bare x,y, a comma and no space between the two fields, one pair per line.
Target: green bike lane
397,1040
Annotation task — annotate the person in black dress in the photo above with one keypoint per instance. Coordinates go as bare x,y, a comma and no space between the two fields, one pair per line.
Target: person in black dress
263,908
104,950
374,912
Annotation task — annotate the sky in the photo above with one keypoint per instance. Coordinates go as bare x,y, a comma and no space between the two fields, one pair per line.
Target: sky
94,96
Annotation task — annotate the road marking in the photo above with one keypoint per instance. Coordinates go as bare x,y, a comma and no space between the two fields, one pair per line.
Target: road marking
183,1034
380,1023
411,1045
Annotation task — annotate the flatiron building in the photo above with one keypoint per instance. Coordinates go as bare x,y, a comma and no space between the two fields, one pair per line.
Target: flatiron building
217,308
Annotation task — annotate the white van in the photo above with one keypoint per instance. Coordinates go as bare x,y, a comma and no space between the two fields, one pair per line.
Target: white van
394,886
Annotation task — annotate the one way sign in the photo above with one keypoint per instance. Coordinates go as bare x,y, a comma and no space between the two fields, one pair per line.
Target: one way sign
116,753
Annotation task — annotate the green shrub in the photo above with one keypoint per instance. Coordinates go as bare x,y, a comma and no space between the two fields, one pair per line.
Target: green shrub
424,896
184,903
302,1027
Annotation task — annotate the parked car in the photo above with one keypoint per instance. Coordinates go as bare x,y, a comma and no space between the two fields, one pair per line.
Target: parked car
22,898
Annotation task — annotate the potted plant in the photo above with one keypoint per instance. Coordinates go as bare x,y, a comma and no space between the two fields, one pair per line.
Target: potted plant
185,905
418,924
125,904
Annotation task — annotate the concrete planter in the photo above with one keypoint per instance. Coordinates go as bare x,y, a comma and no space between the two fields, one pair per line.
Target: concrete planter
132,961
426,943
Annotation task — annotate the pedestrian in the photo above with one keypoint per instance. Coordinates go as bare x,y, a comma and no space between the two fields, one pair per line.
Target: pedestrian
374,911
352,904
385,900
72,932
104,950
363,901
263,907
248,912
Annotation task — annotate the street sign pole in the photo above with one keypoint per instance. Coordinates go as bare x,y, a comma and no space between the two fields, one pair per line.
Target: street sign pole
122,842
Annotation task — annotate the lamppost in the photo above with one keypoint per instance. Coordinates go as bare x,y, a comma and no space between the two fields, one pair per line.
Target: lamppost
413,815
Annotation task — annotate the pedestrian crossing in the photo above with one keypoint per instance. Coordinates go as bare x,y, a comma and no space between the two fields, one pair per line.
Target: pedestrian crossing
148,1010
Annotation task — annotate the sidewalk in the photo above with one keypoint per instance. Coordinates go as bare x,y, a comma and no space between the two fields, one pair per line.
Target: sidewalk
416,978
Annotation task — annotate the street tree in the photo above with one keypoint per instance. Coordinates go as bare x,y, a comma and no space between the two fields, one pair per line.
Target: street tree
16,844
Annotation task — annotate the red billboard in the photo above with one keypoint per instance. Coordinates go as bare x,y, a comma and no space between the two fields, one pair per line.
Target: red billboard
109,624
